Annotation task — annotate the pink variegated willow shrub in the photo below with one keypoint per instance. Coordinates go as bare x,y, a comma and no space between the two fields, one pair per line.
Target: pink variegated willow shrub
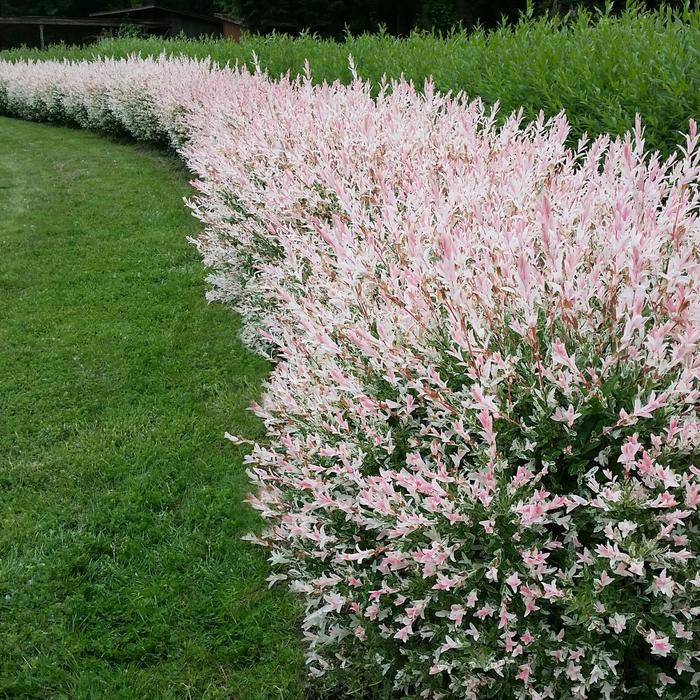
482,464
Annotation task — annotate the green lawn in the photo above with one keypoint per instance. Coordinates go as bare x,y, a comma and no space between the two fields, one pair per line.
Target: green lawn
122,571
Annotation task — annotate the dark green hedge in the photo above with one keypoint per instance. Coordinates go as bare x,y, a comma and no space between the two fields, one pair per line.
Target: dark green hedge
602,69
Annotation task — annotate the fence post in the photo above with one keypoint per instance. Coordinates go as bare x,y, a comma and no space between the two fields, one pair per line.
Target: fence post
41,37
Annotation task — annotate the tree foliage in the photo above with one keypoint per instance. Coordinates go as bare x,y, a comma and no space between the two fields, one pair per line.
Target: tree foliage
334,17
331,18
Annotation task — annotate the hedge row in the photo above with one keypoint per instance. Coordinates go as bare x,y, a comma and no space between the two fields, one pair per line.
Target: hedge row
602,69
482,466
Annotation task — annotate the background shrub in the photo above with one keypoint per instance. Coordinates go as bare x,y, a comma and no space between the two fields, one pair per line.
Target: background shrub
601,69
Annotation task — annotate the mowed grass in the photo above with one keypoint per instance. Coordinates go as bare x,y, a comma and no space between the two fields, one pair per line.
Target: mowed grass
122,571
